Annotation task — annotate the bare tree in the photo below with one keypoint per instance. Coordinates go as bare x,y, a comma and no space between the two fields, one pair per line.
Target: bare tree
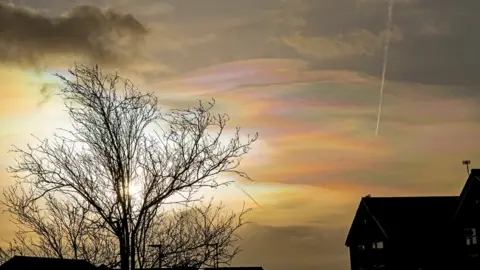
61,228
120,139
202,235
194,235
4,256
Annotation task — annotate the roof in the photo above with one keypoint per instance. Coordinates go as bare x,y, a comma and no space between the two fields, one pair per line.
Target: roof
405,217
39,263
474,176
400,215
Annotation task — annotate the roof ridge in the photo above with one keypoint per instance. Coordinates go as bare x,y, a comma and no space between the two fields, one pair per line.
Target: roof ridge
411,197
49,258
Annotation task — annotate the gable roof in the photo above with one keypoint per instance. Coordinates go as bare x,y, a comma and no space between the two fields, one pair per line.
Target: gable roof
40,263
398,214
362,208
412,216
472,177
400,217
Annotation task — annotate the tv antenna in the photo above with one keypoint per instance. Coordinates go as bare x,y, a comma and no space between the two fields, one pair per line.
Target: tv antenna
466,163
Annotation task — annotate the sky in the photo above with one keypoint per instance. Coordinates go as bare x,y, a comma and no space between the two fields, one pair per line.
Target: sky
305,74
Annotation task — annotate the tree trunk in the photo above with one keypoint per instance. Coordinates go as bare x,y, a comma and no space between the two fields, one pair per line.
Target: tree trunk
75,250
132,252
124,262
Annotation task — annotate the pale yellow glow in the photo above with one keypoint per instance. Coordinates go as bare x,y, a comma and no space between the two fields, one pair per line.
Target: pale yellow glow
135,191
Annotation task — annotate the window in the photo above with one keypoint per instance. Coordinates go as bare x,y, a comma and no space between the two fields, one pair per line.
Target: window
361,247
470,236
377,245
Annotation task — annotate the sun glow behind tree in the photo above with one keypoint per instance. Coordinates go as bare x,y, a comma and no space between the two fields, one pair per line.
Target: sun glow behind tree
122,168
55,120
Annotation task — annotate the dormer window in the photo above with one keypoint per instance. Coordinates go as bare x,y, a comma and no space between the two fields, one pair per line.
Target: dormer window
377,245
470,236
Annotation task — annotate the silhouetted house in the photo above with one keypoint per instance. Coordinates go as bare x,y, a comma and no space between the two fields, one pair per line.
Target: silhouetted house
210,268
39,263
417,232
174,268
237,268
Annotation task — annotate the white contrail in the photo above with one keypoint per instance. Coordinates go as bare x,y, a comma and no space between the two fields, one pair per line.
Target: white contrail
385,62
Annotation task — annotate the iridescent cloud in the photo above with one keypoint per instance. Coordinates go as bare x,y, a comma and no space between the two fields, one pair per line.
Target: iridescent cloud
318,124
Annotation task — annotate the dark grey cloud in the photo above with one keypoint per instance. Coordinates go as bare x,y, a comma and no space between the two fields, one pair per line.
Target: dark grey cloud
435,42
105,36
438,46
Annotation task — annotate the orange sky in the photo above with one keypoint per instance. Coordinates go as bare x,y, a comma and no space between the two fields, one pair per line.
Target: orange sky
304,74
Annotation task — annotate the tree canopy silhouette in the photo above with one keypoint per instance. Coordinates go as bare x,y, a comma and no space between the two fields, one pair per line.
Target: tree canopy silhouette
112,184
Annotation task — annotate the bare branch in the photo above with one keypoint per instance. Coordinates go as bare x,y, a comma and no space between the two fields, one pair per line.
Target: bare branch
120,140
